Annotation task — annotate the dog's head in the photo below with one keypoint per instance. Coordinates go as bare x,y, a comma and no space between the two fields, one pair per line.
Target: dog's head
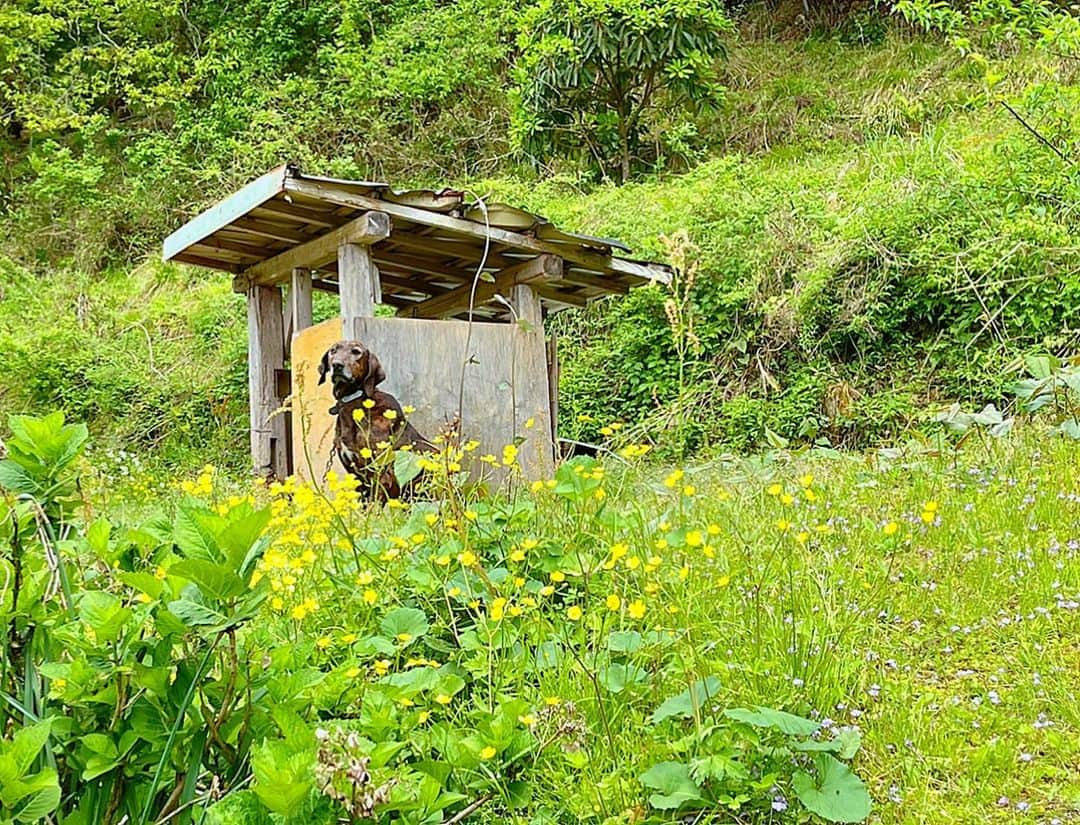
351,366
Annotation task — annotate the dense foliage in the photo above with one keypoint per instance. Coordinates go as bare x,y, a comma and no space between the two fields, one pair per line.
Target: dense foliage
289,655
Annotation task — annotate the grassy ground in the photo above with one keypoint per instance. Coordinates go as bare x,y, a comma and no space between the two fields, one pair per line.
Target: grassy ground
929,599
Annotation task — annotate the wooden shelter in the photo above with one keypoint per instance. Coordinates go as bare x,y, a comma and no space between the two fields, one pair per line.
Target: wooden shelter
426,255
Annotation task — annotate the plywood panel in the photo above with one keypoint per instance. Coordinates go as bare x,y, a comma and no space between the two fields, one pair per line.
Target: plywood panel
505,385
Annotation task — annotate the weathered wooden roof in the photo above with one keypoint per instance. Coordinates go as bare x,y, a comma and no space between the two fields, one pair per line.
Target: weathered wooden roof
436,241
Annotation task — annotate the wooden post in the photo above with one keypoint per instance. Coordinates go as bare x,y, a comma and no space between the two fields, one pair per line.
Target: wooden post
527,307
300,300
553,387
530,379
358,280
266,355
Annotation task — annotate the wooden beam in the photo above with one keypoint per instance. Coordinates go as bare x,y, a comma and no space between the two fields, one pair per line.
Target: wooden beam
300,300
541,268
367,229
208,263
560,296
266,355
301,213
461,226
358,279
263,229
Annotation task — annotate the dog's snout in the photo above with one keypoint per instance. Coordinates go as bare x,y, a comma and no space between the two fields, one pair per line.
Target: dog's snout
337,368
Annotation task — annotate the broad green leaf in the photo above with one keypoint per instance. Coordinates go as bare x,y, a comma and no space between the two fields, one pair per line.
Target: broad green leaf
215,581
245,528
406,466
787,723
193,614
616,677
689,702
283,776
195,532
39,796
624,641
404,622
836,795
104,613
673,784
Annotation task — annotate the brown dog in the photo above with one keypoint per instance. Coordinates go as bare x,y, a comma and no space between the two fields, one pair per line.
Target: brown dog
361,427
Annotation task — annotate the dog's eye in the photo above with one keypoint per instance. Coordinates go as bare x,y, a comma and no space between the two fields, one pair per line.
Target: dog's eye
357,352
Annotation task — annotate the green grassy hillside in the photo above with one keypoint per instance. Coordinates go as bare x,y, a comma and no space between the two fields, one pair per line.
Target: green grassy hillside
872,233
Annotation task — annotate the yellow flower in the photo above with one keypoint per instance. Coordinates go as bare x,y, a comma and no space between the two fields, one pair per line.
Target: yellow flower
352,672
636,609
613,602
370,597
527,719
368,403
891,528
487,752
389,415
689,490
783,525
518,555
358,415
713,529
573,613
324,643
552,701
423,717
723,581
443,699
694,538
673,479
382,667
557,576
931,506
404,638
530,423
928,516
806,480
467,559
408,409
348,638
497,608
442,560
787,499
775,489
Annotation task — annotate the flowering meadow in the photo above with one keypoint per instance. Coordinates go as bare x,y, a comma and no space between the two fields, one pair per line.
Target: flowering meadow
795,637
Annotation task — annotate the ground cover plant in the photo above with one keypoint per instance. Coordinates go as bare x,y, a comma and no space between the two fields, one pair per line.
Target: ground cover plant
787,638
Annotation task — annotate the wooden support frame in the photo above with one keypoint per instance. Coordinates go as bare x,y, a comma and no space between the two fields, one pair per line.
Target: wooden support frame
300,308
358,282
266,355
369,228
542,268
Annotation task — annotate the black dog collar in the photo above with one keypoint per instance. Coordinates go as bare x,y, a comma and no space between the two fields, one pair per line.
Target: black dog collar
348,399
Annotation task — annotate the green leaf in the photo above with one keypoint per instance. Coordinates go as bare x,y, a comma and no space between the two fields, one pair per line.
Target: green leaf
787,723
624,641
845,744
193,614
837,795
406,466
674,785
283,776
195,532
404,620
245,528
39,796
104,613
616,677
686,704
215,581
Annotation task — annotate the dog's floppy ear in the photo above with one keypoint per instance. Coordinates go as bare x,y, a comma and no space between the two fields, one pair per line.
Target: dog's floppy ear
375,375
324,366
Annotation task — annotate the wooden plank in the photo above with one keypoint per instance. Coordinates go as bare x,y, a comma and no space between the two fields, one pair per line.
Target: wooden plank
424,362
225,212
561,296
300,301
526,305
358,279
461,226
553,385
541,268
576,276
301,213
266,355
208,263
264,229
367,229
